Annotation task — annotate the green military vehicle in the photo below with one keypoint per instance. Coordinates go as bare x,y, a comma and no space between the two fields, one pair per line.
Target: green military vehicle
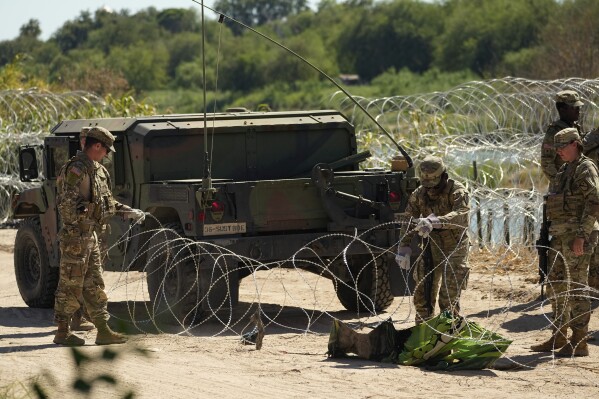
277,189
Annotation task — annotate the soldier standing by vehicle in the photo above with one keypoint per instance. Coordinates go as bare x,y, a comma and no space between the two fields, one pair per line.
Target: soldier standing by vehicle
446,203
572,209
568,106
85,203
80,320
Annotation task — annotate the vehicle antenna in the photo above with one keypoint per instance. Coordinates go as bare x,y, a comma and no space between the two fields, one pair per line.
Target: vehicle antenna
207,178
373,119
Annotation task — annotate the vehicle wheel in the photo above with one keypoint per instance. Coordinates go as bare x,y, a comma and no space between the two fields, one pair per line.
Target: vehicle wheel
37,281
370,289
172,274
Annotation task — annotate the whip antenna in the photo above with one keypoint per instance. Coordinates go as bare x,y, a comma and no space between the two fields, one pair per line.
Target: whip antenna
373,119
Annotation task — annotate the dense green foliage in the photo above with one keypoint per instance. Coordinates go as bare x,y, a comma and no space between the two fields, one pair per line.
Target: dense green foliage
395,46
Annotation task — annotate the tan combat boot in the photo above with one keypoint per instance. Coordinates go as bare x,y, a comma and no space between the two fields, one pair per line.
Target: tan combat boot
344,340
106,336
65,337
557,340
80,323
577,345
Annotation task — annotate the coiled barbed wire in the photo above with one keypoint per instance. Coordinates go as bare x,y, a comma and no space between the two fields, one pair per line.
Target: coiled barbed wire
499,124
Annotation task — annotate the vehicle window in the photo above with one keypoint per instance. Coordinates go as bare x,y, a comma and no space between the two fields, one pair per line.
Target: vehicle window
114,163
58,157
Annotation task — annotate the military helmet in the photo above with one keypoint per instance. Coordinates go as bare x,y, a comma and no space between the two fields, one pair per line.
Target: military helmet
430,170
565,136
84,131
102,135
569,97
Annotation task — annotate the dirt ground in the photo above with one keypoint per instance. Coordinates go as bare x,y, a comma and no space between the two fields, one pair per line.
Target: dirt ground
209,360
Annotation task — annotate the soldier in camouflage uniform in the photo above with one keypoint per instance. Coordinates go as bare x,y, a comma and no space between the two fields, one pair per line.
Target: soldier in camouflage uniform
446,204
85,203
568,106
572,209
80,320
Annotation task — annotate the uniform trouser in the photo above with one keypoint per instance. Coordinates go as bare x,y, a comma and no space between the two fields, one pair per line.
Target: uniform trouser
449,278
80,276
568,284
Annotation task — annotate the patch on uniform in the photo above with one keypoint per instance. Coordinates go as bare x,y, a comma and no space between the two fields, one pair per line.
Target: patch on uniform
73,175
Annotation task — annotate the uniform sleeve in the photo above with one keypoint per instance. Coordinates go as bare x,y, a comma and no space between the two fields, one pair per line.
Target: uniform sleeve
588,182
590,143
71,204
548,154
458,217
412,210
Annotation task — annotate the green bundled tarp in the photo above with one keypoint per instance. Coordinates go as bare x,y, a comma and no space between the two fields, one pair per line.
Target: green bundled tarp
444,342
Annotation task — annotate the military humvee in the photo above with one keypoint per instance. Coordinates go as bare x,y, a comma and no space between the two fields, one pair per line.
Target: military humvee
282,188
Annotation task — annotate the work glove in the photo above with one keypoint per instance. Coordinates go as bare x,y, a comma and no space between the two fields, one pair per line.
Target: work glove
424,226
403,257
136,214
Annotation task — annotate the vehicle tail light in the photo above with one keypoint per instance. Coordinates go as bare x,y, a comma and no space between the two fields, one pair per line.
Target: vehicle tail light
394,200
217,209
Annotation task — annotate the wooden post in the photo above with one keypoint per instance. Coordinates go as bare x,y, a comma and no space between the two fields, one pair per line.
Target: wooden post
490,226
479,224
506,222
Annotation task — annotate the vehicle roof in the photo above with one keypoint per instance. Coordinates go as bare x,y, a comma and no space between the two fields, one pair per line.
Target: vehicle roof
217,120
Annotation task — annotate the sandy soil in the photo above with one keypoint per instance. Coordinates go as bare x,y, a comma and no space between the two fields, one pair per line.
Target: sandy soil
209,360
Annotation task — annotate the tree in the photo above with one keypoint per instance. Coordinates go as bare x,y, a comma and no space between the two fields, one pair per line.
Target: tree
73,34
143,64
31,29
177,20
478,34
258,12
392,35
570,42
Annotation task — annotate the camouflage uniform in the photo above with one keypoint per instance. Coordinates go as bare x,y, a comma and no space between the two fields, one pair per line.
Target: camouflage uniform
572,209
550,161
590,143
449,241
82,184
85,203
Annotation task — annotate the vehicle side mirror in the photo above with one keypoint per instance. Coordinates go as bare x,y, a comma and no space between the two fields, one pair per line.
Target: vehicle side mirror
28,169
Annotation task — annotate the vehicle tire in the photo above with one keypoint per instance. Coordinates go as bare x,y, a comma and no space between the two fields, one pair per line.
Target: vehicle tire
37,281
172,274
370,288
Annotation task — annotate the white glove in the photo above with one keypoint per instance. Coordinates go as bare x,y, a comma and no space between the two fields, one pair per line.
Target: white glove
424,227
137,215
403,257
435,221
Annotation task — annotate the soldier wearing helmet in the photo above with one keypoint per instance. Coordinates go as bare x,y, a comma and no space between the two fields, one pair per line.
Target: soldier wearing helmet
572,210
85,203
568,106
439,208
